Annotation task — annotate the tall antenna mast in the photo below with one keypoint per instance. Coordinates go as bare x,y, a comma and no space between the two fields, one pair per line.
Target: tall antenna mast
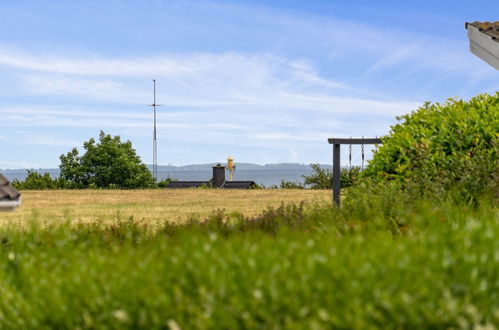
154,138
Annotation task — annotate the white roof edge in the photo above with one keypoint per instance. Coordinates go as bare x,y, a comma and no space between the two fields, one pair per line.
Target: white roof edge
484,46
10,205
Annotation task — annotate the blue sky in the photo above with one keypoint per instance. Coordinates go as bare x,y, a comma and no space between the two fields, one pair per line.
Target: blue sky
263,81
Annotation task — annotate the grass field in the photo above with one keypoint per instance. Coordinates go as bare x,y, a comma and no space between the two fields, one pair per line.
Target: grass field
151,205
290,268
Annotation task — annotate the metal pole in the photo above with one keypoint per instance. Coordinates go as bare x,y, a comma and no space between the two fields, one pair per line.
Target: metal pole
155,141
336,173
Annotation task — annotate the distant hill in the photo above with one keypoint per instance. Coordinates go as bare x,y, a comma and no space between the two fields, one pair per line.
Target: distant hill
20,174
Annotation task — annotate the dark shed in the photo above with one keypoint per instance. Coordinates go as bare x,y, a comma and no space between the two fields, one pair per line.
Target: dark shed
239,184
186,184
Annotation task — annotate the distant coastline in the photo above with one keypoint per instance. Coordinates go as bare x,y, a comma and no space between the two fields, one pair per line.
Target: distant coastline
268,174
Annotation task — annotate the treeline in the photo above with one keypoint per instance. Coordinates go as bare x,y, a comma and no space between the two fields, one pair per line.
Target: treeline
38,181
319,179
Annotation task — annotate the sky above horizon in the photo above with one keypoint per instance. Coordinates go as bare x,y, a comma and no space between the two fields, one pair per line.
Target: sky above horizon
262,81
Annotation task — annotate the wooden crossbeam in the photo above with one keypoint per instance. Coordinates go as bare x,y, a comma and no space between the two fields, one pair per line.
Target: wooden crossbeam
354,141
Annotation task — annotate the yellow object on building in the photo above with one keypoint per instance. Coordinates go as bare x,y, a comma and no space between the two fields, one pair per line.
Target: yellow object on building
231,167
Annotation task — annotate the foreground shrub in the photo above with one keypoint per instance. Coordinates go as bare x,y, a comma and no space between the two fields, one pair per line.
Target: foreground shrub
291,267
443,149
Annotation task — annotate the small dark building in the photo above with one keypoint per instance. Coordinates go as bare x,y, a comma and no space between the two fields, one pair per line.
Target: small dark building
10,198
187,184
239,184
218,181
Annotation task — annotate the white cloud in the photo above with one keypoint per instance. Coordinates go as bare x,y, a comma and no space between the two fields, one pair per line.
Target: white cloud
48,84
235,82
363,42
91,65
208,80
50,141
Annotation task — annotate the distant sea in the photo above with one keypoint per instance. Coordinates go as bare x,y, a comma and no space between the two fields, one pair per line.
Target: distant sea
267,175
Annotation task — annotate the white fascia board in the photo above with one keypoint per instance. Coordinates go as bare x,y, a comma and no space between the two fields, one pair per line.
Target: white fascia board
484,46
9,205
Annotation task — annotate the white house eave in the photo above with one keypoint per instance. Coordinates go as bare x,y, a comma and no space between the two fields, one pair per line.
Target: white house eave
9,205
484,46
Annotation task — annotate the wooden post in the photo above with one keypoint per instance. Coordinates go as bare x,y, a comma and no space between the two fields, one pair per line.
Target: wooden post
336,173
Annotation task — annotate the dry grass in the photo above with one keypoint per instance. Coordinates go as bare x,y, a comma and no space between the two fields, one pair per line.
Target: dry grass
150,205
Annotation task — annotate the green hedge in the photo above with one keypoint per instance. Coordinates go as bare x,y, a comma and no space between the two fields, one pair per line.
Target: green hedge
442,148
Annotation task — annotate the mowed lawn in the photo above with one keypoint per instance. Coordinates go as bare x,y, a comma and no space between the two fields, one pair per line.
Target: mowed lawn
150,205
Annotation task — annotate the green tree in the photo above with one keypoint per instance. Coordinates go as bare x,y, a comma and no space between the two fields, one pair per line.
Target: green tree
106,163
322,178
290,185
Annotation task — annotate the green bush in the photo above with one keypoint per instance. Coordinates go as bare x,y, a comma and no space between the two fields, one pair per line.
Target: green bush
443,149
290,185
350,176
163,183
37,181
322,178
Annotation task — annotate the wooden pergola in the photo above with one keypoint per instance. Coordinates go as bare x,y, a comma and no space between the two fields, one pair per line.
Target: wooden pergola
337,142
